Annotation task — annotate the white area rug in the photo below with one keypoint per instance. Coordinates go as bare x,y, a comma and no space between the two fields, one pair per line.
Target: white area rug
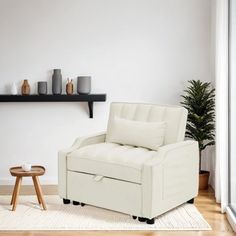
28,216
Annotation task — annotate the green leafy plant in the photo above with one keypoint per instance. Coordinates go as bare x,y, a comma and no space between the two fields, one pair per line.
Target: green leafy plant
199,100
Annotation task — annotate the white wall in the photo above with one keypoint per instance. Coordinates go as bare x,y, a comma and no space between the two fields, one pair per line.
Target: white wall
208,160
135,50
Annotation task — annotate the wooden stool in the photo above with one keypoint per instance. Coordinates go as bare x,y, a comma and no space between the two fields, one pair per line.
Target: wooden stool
18,172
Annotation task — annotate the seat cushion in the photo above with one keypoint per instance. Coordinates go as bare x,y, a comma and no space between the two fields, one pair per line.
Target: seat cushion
111,160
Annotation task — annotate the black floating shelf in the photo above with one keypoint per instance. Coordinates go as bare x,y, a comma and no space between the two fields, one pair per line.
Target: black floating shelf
90,99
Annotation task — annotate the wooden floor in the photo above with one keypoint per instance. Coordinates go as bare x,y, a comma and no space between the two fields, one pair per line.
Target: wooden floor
205,203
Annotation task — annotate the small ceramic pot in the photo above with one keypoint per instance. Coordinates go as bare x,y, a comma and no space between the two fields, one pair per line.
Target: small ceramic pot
69,87
26,167
42,88
13,89
84,84
25,89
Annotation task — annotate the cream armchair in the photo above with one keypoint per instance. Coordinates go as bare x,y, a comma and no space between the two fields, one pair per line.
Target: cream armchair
144,180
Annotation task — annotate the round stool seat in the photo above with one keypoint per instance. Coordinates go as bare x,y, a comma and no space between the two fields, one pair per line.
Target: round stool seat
35,171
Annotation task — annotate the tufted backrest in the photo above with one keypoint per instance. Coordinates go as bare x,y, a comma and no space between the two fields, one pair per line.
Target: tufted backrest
174,116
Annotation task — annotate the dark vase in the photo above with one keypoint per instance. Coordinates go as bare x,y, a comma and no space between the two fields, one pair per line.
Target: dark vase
56,82
84,84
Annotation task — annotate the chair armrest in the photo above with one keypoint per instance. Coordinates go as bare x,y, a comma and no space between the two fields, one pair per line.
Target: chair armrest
173,174
88,140
176,149
62,158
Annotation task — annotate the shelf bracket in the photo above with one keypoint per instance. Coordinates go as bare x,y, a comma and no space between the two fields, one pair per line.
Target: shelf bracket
90,106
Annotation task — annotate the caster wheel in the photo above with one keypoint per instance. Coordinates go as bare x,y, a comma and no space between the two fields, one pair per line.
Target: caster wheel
82,204
66,201
191,201
75,203
134,217
150,221
142,219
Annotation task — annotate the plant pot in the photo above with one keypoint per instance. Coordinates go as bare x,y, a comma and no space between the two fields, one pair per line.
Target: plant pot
203,179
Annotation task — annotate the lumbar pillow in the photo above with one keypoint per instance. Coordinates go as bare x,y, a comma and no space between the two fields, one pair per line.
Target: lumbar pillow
137,133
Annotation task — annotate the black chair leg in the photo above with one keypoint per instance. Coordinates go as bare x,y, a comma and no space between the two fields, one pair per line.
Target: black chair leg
191,201
142,219
150,221
66,201
134,217
75,203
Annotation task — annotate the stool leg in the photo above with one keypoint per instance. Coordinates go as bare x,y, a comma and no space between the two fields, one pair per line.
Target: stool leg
40,193
15,199
36,189
14,192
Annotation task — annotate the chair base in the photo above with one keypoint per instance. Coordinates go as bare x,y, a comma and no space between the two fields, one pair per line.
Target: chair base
150,221
66,201
76,203
191,201
142,219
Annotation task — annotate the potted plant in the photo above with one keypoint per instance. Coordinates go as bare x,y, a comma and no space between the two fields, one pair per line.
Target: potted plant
199,100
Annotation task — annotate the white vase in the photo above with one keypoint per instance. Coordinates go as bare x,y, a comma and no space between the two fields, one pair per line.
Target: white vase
13,89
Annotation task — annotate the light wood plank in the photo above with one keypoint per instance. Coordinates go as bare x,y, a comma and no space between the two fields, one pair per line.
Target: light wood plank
28,189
